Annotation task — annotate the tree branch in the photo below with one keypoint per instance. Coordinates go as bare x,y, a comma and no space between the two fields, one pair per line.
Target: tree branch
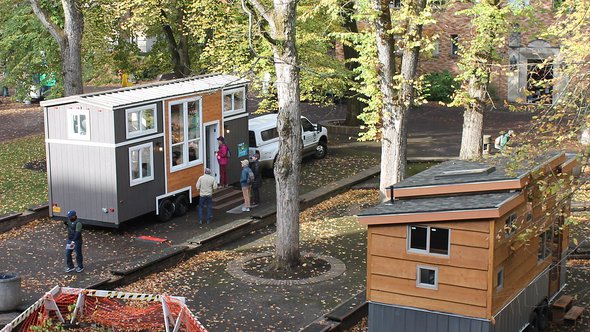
261,10
251,11
53,29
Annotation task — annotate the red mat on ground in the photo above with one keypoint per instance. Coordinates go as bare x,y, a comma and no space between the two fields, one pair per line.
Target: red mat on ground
151,239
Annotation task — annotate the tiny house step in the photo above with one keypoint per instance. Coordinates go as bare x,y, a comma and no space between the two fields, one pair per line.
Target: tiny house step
226,198
572,315
561,306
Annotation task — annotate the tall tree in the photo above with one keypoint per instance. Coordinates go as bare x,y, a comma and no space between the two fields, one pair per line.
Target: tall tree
69,39
397,91
280,32
490,26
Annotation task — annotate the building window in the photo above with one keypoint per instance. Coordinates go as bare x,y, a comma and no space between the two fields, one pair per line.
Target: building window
500,279
426,277
141,164
454,45
519,3
510,225
185,134
234,101
545,242
395,4
141,121
78,124
435,48
428,239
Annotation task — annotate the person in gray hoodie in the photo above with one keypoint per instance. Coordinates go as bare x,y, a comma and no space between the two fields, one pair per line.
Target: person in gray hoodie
206,184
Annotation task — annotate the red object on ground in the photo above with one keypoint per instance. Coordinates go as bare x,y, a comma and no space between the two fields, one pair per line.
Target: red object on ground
151,238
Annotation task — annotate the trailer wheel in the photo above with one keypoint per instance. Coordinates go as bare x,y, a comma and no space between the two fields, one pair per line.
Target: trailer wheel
181,205
166,210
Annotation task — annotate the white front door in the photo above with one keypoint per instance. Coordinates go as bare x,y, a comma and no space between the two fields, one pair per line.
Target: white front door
211,134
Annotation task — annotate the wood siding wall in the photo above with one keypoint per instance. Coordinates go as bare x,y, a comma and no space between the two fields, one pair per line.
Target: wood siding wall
462,276
212,111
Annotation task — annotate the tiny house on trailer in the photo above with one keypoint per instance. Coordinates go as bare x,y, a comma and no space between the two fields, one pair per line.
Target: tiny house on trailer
116,155
468,246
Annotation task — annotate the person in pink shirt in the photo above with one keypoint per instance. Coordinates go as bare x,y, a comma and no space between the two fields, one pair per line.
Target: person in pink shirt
222,159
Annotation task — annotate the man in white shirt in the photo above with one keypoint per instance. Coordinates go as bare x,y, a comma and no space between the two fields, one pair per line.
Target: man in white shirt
206,184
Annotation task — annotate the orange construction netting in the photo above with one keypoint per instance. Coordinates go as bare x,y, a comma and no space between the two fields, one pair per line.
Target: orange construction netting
120,315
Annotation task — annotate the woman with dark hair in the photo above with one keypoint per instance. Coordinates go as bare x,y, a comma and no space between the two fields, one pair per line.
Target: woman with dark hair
222,159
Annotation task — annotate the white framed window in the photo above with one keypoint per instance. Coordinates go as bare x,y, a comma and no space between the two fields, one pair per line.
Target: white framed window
397,4
234,101
185,134
141,163
426,277
78,124
500,279
519,3
141,121
429,240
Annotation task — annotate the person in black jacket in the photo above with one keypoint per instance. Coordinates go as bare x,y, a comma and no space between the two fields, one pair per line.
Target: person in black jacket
255,167
74,242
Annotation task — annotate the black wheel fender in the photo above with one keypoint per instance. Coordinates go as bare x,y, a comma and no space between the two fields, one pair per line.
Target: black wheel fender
166,209
181,205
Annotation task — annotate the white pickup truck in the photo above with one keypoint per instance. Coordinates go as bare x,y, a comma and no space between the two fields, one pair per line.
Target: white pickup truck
264,137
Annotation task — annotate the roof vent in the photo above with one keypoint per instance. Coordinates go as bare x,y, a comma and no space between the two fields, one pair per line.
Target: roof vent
465,172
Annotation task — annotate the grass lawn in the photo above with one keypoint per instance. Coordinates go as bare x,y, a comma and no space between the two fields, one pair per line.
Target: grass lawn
21,188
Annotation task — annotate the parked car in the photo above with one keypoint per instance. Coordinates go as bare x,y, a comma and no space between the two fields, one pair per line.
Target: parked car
264,137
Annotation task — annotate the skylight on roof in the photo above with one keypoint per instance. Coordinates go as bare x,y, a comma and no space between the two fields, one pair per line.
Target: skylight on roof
465,172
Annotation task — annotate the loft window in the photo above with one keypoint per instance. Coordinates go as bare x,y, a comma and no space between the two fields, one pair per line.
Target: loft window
510,225
454,45
78,124
426,277
234,101
141,164
185,134
141,121
426,239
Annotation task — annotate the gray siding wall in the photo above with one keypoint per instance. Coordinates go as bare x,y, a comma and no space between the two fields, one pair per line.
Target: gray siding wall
238,133
515,315
120,126
140,199
83,179
390,318
100,123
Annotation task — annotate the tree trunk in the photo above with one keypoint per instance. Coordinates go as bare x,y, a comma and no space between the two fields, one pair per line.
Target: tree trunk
178,50
395,108
69,40
471,139
288,164
354,107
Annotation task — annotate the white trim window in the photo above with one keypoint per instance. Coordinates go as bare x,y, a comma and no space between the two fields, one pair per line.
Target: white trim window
141,121
429,240
185,134
78,124
234,101
426,277
141,164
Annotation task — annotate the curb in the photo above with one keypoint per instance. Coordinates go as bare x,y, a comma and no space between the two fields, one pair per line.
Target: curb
343,317
15,219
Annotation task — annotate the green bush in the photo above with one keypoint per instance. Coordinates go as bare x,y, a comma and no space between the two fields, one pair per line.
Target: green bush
440,86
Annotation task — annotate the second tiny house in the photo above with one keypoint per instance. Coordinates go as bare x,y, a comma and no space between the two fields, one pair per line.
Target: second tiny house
469,246
115,155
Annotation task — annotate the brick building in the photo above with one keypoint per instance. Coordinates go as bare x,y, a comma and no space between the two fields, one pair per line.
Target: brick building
524,52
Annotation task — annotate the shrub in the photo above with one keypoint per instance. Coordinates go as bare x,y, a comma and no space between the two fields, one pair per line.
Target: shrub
440,86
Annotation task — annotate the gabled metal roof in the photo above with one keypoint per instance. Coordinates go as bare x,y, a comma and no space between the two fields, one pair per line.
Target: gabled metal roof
156,91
